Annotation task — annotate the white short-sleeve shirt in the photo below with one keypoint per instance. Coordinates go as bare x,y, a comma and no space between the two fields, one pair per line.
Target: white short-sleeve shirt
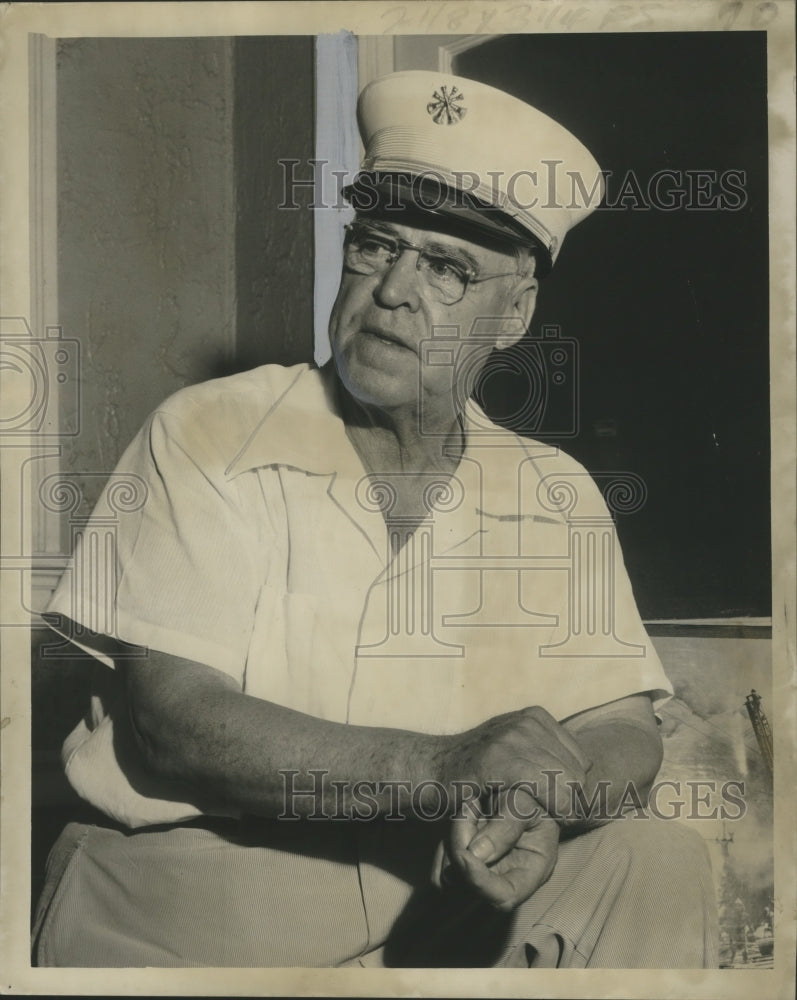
253,541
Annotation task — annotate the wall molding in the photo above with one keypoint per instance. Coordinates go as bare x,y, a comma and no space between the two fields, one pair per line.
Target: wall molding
375,57
337,149
46,527
450,50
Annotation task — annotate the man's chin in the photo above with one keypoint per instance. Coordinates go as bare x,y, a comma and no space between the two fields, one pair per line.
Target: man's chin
377,374
373,393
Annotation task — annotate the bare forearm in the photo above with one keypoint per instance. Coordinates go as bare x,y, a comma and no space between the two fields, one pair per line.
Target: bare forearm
254,756
194,727
626,756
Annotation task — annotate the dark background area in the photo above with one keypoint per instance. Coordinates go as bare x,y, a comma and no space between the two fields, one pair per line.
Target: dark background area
669,309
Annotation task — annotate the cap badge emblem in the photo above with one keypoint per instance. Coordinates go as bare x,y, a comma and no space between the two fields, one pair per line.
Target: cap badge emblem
446,106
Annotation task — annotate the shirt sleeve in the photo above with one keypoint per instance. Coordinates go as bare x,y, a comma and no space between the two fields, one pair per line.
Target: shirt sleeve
168,560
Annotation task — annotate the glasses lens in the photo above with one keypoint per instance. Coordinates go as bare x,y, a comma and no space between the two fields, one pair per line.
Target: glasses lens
368,251
447,277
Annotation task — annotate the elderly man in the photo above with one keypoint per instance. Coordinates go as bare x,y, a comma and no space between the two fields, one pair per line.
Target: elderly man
356,687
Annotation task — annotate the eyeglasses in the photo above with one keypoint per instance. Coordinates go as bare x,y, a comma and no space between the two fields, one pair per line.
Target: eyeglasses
371,251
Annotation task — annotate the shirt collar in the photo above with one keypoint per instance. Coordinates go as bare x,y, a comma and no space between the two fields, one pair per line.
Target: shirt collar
304,430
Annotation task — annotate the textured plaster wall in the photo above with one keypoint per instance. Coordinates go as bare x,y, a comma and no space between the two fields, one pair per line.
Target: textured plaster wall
146,228
176,262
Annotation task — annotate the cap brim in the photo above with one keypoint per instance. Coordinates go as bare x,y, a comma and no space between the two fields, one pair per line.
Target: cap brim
424,201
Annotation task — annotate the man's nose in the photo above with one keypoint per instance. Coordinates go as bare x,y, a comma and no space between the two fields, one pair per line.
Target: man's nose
400,283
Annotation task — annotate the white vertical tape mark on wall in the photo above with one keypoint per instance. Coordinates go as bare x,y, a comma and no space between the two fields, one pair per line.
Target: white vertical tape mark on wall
337,149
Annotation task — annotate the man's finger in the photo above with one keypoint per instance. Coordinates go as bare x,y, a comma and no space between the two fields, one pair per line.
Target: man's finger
497,838
439,864
464,827
514,878
500,890
516,812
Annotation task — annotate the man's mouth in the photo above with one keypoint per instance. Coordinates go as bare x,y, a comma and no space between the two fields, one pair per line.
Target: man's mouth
386,337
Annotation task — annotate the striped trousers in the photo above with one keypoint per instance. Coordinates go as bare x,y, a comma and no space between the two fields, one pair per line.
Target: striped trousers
637,893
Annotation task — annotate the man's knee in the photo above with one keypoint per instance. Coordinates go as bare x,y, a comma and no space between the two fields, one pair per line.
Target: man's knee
658,845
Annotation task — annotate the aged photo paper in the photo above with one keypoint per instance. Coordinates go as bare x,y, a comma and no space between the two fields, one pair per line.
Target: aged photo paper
172,211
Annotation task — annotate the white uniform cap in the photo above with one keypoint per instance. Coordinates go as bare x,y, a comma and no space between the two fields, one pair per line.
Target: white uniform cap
451,146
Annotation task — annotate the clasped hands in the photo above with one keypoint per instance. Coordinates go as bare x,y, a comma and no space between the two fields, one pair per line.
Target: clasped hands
503,842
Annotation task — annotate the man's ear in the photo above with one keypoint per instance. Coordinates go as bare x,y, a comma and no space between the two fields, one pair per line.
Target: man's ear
522,310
